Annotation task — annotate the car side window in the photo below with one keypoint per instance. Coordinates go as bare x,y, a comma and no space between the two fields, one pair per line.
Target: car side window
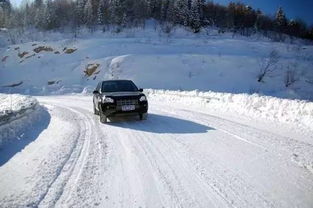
98,87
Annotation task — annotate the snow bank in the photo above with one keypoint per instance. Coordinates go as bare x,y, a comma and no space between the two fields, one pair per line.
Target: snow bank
13,103
17,112
255,106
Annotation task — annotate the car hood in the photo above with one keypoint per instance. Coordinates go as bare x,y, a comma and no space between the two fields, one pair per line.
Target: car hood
119,94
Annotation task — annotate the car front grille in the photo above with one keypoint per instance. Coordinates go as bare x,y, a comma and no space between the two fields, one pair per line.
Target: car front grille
127,102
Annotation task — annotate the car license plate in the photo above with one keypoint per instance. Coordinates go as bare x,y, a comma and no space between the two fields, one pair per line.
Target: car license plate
128,107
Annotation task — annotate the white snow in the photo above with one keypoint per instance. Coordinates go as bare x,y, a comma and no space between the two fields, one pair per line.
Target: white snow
15,103
297,112
179,61
182,156
214,137
17,113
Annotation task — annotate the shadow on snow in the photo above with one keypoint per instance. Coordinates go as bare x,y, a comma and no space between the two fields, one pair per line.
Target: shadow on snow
161,124
30,133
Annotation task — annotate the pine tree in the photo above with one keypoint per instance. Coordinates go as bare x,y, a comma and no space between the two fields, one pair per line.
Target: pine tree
296,27
117,11
182,13
281,20
201,4
49,16
38,3
195,21
164,9
80,12
5,13
101,12
6,5
88,13
39,20
281,23
26,14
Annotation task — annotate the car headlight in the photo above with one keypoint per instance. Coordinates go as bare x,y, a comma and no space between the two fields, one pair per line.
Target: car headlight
107,100
142,98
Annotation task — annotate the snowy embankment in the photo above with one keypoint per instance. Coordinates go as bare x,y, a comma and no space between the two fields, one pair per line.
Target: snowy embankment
17,112
177,61
255,106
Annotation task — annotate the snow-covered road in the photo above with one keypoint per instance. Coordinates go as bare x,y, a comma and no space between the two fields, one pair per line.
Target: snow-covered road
177,158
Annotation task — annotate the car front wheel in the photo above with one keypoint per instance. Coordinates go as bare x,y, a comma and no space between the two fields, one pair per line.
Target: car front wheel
95,111
143,116
103,118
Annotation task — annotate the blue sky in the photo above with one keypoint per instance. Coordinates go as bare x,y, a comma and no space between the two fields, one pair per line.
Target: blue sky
293,8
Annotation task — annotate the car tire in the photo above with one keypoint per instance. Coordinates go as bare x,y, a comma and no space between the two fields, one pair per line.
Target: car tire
103,118
143,116
95,111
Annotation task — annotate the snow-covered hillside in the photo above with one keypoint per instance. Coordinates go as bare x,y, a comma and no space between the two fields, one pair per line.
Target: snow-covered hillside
179,61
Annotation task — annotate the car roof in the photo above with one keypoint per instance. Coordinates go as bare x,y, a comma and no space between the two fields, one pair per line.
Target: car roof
117,80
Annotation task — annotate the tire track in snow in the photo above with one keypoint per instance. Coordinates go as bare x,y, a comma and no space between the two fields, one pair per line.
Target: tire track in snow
216,202
298,152
282,147
84,187
83,169
125,181
219,179
56,187
133,164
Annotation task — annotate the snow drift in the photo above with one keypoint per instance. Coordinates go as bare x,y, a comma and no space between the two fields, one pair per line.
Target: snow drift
14,103
256,106
17,113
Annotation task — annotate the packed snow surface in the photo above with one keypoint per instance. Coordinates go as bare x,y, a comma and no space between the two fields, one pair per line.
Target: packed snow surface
186,154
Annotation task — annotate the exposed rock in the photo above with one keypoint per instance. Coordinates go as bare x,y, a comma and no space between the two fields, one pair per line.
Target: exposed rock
14,85
54,82
21,55
91,69
4,58
69,50
30,56
43,48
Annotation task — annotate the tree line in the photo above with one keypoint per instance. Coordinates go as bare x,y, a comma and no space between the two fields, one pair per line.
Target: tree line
195,14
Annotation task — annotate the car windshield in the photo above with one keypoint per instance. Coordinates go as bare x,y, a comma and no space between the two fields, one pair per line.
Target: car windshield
119,86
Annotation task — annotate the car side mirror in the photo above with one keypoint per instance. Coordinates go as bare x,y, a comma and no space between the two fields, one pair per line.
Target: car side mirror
140,90
95,92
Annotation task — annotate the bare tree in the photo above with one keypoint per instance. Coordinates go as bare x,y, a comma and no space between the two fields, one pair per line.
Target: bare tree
309,79
291,75
268,65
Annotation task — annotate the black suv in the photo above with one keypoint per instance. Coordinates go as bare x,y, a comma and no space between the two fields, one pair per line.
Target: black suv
119,97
